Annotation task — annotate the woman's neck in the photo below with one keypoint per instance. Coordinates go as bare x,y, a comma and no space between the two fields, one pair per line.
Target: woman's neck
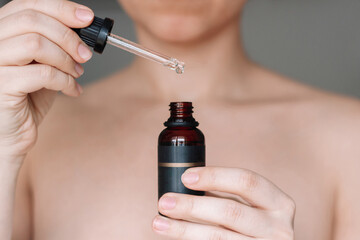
213,66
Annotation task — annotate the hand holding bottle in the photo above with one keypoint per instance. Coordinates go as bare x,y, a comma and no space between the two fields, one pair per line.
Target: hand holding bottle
268,213
40,55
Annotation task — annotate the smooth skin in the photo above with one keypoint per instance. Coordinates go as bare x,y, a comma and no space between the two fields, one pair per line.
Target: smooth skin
271,142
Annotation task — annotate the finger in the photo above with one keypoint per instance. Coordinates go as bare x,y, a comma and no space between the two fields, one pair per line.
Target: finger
229,196
33,77
176,229
24,49
70,13
256,190
227,213
30,21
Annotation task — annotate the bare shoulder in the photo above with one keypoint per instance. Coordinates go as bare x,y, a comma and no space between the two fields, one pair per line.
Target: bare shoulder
330,121
322,107
336,132
335,121
330,114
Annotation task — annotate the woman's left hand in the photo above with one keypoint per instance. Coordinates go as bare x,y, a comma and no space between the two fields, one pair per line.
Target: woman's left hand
267,214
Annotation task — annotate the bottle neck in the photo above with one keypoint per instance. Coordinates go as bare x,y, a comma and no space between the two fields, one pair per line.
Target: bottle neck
181,115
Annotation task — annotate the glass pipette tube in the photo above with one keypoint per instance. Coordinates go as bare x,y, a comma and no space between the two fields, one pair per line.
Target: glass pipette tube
141,51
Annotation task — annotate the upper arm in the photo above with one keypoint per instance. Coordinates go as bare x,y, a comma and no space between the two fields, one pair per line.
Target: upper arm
347,172
22,212
336,137
347,216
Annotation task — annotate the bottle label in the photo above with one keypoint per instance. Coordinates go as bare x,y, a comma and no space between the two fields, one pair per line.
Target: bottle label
181,154
173,161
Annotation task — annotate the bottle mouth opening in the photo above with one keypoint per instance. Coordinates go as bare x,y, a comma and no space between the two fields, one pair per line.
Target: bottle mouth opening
181,108
181,105
181,115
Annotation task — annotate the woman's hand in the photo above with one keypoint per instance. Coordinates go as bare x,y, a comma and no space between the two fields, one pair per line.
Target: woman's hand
40,55
262,210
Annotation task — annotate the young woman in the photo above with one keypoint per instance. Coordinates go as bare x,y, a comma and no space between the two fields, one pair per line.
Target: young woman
271,142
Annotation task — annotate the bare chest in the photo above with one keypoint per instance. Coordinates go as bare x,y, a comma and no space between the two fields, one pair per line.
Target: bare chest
106,187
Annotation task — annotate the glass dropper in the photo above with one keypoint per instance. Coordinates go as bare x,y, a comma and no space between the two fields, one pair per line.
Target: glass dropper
98,34
141,51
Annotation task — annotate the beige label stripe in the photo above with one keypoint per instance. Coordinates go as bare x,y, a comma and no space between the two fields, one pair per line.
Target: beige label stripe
192,164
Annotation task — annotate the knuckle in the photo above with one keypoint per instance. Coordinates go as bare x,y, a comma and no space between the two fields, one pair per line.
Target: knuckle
68,61
28,18
33,42
232,212
190,206
217,235
68,36
213,175
70,82
248,180
47,72
60,6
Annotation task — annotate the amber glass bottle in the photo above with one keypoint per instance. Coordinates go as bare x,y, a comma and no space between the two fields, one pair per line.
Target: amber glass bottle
181,146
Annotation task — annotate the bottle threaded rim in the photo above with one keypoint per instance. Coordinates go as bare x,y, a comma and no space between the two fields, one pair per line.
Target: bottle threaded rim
181,115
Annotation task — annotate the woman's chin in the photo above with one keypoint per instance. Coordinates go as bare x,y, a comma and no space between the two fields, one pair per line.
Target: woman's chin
177,30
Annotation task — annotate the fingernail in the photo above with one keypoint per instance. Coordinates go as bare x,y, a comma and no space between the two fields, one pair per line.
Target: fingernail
84,52
84,14
167,203
161,224
79,88
79,69
190,178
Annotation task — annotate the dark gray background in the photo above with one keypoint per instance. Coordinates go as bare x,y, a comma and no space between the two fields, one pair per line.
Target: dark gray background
313,41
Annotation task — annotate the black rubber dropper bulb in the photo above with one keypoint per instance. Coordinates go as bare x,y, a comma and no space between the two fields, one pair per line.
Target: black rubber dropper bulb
95,35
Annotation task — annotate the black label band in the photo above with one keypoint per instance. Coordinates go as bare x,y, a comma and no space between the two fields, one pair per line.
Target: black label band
181,154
